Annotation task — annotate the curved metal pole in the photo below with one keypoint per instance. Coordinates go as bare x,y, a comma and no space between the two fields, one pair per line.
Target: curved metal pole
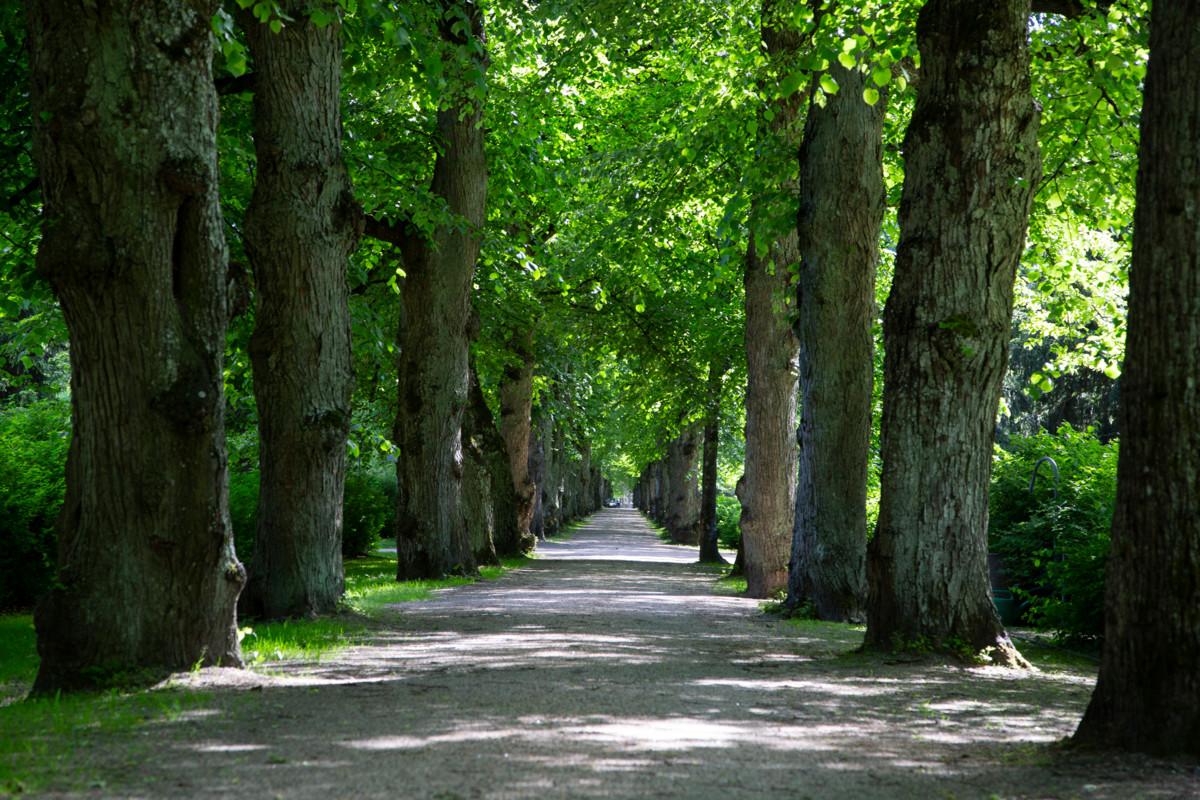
1033,478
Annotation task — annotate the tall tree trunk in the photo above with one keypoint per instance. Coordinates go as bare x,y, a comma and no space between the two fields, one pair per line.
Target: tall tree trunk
768,493
433,343
1147,698
841,211
683,505
516,415
301,227
710,553
125,116
487,506
537,474
972,165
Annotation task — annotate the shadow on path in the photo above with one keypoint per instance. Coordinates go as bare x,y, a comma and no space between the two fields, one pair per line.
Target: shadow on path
608,668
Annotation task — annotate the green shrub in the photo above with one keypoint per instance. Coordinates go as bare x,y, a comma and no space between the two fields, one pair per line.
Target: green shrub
243,511
34,439
1055,550
729,511
369,507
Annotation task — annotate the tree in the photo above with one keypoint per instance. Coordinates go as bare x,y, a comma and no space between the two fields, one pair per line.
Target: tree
841,210
683,502
433,339
768,489
1147,697
301,227
972,164
133,247
710,553
516,424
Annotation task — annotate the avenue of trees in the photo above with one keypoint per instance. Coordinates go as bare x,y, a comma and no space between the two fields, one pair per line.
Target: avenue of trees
522,255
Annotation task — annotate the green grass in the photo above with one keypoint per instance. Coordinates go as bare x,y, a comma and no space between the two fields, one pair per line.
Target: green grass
734,585
371,586
48,741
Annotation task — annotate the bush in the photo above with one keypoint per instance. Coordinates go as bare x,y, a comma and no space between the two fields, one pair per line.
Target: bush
729,511
1055,550
243,511
34,439
369,508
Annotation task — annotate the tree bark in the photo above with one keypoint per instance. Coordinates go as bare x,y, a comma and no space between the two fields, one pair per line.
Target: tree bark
516,417
537,474
841,211
769,490
301,227
125,117
683,505
487,496
433,343
710,552
972,164
1147,698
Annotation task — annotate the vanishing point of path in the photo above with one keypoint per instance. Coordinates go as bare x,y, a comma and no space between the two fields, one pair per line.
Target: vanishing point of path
610,668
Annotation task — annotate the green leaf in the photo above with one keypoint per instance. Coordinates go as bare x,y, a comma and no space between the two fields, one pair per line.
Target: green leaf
828,84
871,95
881,76
789,85
846,60
276,25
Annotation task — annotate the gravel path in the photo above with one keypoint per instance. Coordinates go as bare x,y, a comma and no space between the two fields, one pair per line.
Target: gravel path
610,668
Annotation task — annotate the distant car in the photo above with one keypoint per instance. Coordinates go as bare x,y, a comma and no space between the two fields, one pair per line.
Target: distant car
612,502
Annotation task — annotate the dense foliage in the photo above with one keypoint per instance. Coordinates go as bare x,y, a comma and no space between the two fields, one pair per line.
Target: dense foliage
1055,538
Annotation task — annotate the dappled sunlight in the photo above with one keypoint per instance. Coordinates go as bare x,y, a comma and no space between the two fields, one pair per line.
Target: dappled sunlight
578,678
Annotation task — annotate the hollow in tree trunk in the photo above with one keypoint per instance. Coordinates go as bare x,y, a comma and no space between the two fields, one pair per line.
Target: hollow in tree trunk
134,249
972,164
1147,698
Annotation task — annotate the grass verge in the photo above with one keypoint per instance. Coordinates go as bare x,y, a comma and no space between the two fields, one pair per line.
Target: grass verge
49,741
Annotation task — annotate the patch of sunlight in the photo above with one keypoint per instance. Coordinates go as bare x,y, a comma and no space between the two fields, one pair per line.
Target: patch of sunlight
228,748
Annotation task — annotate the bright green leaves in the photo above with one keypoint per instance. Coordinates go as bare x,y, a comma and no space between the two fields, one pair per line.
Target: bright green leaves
828,84
870,95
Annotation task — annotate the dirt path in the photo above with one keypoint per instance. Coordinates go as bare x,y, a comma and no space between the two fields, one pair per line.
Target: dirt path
609,668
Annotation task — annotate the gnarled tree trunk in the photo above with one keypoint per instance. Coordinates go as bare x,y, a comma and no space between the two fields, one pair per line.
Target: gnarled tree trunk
841,211
971,167
125,118
1147,698
433,343
301,227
